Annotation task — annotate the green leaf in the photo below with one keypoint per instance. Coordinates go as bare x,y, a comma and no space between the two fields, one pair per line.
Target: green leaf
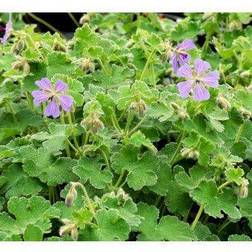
33,211
215,202
141,171
172,229
91,169
138,139
18,183
55,139
33,233
234,175
39,163
237,237
148,227
197,174
110,226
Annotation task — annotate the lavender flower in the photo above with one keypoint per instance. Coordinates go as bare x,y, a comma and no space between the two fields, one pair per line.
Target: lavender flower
55,95
180,54
7,33
198,79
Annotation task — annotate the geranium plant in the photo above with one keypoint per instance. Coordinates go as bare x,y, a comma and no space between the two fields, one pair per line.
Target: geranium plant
137,127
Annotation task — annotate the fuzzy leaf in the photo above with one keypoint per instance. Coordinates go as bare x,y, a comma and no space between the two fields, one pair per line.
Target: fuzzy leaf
90,169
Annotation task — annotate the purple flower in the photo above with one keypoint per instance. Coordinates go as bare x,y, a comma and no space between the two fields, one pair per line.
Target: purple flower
198,79
7,33
54,95
180,55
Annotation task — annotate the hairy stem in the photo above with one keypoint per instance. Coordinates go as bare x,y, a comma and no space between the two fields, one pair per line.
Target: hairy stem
73,19
178,148
238,136
195,221
42,21
147,63
90,205
137,126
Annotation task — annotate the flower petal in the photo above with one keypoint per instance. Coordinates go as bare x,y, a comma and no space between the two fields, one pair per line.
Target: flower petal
174,62
39,97
66,102
52,109
201,66
184,88
186,45
185,71
200,93
44,84
7,34
211,79
60,86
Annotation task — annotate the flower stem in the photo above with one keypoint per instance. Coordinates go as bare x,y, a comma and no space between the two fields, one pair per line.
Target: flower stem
90,205
200,211
118,182
105,158
195,221
66,143
238,136
42,21
69,117
147,63
223,185
73,19
129,121
137,126
178,147
115,123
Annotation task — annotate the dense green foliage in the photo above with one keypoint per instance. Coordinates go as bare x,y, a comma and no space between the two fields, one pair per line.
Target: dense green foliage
132,160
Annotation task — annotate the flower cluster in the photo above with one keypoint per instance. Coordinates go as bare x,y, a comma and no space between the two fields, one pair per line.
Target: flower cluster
198,78
54,95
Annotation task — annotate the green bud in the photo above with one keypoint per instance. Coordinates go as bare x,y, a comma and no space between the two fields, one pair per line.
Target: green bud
71,196
246,114
87,65
68,229
57,46
21,65
92,123
189,153
222,102
139,107
243,190
85,19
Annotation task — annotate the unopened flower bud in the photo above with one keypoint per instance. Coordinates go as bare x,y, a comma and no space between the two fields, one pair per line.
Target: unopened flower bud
235,25
85,19
189,153
249,88
69,228
71,196
182,114
122,195
22,65
223,102
245,74
87,65
246,114
168,48
57,46
180,111
18,47
139,107
243,190
92,123
74,234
